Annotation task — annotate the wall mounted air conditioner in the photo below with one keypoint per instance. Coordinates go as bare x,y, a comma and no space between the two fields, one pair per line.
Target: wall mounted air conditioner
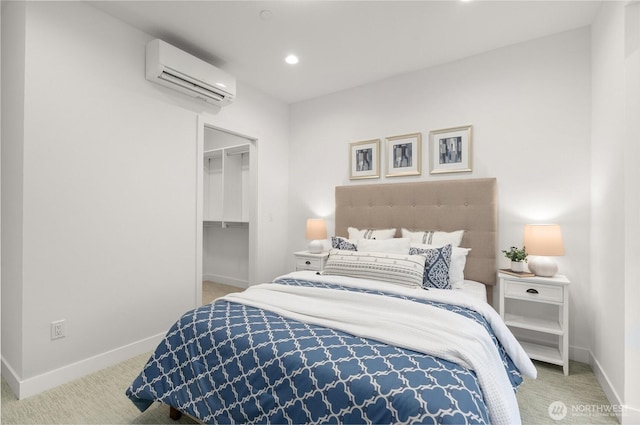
174,68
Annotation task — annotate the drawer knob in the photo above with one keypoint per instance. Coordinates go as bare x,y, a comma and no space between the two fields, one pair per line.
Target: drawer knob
532,291
307,262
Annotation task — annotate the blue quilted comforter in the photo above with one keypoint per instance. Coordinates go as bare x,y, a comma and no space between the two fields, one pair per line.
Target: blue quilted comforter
230,363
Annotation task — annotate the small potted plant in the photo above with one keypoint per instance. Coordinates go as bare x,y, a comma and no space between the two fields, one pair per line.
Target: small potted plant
518,257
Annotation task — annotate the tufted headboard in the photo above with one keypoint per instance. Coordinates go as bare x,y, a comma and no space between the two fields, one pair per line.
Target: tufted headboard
470,205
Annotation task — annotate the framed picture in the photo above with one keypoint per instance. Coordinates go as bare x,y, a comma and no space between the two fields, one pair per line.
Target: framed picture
404,155
450,150
365,159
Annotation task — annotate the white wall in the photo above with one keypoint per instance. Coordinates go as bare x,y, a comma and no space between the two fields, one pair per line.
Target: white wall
632,213
615,204
607,168
12,138
529,107
109,195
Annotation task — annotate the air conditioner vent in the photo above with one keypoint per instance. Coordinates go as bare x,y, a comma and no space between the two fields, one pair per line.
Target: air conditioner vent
171,67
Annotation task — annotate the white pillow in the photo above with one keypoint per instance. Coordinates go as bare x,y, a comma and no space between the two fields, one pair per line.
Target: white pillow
356,234
393,246
435,238
458,261
405,270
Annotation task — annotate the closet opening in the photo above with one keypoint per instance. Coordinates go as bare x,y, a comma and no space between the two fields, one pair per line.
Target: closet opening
227,208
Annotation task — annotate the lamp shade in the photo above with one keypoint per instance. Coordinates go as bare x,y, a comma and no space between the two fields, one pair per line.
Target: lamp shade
316,229
543,239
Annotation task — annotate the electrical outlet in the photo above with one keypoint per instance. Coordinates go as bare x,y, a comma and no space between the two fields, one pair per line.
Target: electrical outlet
57,329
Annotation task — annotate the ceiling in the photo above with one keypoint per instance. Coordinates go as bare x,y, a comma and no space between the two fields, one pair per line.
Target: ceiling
342,44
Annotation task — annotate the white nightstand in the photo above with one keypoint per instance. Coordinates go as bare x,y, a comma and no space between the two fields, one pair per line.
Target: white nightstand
308,261
536,309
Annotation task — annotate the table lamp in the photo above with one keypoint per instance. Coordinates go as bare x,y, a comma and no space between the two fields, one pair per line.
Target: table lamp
316,230
543,241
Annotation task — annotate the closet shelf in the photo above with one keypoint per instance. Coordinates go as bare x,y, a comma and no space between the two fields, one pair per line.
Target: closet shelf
226,224
232,150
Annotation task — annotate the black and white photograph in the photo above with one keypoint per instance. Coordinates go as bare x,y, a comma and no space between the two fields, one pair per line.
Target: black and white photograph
365,159
450,150
404,155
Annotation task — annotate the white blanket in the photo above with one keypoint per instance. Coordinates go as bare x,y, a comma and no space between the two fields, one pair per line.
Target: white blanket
402,323
504,335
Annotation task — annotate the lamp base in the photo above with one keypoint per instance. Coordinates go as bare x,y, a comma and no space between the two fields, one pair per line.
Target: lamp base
542,266
315,247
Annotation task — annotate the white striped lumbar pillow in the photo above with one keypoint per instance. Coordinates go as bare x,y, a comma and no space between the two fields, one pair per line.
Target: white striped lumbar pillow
400,269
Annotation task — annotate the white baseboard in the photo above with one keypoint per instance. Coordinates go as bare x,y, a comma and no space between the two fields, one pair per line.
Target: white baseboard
226,280
606,386
10,376
24,388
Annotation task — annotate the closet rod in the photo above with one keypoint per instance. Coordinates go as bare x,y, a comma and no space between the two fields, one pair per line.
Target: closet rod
226,224
237,153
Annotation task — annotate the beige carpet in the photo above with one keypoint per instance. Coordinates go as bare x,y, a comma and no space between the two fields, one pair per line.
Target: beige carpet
95,399
212,290
99,398
579,394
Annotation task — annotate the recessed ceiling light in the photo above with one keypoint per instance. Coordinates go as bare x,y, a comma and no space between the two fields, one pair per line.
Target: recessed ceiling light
291,59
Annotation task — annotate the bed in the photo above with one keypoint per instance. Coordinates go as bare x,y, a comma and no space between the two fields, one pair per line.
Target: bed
343,347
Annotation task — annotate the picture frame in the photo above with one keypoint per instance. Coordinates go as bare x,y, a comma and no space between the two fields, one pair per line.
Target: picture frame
364,159
404,155
451,150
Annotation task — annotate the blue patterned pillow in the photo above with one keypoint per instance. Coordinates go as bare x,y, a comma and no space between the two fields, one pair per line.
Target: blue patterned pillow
339,242
436,267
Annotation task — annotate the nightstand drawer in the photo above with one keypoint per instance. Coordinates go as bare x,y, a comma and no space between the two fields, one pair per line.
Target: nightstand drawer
533,291
306,260
307,263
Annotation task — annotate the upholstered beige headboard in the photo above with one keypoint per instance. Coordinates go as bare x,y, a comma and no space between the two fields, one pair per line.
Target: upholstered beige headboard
448,205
